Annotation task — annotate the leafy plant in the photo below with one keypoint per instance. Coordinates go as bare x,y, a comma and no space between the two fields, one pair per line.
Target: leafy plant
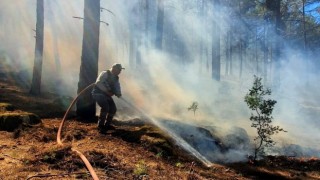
261,117
159,154
193,107
179,165
141,169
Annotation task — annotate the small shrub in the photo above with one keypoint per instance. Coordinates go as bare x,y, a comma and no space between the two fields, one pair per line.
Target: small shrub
141,169
159,154
261,116
193,107
179,165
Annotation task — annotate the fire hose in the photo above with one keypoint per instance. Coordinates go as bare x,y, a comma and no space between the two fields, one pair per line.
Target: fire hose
83,158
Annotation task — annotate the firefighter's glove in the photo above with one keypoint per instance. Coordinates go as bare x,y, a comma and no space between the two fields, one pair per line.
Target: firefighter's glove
109,93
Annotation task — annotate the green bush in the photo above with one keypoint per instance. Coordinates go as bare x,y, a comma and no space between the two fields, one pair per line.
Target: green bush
141,169
261,116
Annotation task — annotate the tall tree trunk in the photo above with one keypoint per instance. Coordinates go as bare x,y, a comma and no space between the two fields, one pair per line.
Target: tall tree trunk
86,107
304,25
216,45
37,68
159,28
274,5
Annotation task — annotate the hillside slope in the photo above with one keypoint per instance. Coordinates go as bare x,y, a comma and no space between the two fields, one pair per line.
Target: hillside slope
134,150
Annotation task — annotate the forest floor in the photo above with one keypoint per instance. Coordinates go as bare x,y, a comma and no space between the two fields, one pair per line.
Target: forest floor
134,150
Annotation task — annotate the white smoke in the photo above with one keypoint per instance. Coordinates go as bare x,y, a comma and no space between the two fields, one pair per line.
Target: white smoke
161,86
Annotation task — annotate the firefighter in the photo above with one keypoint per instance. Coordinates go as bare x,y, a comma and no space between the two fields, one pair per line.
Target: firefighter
107,85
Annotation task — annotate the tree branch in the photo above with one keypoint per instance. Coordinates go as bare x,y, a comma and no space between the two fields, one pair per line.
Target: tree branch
101,8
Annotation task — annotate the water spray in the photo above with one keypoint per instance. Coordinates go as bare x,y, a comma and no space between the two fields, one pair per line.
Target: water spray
178,139
181,142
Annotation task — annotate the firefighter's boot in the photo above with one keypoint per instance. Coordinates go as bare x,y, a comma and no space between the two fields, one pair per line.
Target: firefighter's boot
102,121
108,125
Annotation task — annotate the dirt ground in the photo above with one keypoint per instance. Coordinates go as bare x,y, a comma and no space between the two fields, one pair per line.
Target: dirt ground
134,150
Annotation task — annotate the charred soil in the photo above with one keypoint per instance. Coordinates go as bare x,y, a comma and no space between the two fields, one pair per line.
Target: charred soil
134,150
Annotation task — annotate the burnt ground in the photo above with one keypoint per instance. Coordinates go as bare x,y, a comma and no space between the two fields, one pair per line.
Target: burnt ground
134,150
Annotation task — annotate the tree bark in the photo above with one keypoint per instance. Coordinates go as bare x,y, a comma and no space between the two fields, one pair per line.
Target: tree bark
86,107
37,68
